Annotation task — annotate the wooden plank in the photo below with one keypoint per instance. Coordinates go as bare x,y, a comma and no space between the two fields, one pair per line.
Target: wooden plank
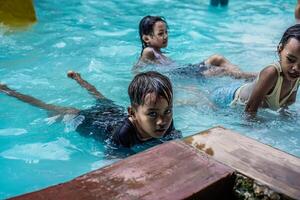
173,170
278,170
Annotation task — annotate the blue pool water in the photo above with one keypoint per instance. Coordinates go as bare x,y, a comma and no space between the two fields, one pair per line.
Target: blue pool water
99,39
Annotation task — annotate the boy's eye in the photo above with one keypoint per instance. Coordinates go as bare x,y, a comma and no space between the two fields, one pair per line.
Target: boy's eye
169,111
152,114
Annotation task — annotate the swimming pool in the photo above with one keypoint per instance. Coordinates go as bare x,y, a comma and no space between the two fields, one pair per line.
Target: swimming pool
100,41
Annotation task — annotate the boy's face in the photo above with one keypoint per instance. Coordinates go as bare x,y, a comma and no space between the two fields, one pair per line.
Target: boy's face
152,119
159,38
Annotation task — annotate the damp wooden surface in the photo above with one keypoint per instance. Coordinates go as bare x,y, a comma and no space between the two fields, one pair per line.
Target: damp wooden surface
278,170
174,170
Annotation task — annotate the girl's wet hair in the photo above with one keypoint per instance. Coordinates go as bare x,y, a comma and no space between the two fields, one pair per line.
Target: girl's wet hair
292,32
149,82
146,27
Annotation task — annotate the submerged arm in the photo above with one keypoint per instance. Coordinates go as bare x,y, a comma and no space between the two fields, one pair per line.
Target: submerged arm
284,110
83,83
243,75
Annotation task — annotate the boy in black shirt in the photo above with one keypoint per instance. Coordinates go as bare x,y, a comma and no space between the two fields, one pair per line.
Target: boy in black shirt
150,115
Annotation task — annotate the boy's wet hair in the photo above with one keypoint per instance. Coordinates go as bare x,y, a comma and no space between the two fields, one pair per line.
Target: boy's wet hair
149,82
291,32
146,27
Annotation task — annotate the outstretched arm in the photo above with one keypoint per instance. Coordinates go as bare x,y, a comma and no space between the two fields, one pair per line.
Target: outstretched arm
83,83
36,102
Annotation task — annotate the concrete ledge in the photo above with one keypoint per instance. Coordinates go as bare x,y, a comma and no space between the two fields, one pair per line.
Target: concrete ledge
269,166
173,170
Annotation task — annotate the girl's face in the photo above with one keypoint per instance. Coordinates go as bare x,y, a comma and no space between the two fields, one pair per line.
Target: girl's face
290,59
159,38
152,119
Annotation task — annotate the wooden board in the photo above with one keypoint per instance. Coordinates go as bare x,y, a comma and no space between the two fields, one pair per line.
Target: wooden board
173,170
278,170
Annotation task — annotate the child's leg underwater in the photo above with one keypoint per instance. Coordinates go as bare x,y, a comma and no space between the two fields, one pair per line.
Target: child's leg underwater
83,83
36,102
222,67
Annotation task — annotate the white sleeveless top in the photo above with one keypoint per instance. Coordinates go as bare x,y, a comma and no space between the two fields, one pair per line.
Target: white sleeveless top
273,101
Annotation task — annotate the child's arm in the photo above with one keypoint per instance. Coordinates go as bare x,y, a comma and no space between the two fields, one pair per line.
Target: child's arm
36,102
249,76
290,100
266,82
83,83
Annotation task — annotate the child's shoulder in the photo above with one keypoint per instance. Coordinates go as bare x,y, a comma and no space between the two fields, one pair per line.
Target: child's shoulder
271,69
125,135
269,74
148,53
146,57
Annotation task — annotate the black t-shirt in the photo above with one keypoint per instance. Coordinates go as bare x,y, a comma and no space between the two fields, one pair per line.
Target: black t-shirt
108,122
126,135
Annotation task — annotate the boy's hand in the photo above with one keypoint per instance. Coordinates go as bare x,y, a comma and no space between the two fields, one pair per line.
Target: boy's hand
3,87
73,75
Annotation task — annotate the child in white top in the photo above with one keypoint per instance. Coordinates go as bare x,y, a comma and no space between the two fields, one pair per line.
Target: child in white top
276,85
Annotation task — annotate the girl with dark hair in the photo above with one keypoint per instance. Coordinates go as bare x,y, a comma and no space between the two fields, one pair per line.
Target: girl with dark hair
153,31
276,85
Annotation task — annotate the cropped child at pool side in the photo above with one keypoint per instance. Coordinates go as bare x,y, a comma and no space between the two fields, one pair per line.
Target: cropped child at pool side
153,31
297,12
277,84
150,114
